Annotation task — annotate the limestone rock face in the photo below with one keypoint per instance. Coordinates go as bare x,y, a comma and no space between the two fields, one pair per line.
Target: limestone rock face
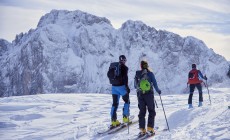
70,51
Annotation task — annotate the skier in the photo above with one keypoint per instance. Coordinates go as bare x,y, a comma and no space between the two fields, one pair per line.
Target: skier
194,77
144,79
119,88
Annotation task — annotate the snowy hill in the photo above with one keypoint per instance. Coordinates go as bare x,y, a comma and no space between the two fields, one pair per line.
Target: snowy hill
70,51
81,116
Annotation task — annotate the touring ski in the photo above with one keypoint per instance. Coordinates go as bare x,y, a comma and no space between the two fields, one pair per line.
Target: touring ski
123,126
112,130
144,137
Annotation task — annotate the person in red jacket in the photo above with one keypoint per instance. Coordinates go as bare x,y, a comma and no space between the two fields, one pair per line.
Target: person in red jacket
194,80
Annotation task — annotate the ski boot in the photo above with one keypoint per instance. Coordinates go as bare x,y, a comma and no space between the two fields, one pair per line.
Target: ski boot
200,104
142,132
190,106
126,120
115,123
150,131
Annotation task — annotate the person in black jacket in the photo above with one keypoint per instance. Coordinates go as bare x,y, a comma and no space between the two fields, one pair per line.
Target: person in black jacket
120,89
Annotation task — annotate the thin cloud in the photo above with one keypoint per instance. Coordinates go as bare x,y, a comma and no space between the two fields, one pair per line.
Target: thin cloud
29,4
219,42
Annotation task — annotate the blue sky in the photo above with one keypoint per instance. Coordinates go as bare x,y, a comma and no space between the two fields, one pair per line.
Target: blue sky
208,20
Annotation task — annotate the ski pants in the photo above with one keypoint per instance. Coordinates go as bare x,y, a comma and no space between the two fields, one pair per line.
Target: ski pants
146,100
192,88
118,91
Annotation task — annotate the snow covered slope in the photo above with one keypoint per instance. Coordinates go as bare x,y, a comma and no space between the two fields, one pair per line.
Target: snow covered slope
80,116
70,51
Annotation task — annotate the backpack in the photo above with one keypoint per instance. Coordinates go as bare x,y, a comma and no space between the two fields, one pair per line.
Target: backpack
143,83
193,77
114,73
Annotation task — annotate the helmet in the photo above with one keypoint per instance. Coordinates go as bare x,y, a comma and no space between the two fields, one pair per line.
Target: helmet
122,58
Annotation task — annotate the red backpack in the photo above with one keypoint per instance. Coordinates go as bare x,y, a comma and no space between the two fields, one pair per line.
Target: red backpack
193,77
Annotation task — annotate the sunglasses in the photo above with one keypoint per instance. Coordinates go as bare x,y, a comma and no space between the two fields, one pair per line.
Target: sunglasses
123,60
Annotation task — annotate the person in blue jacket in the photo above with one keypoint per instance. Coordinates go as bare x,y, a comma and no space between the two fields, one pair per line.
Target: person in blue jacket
146,97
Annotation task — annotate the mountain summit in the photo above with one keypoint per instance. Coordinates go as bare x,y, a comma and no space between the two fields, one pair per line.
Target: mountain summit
70,51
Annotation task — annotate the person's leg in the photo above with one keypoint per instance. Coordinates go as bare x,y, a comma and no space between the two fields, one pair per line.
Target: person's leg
115,104
125,96
142,112
126,105
149,99
199,87
192,87
115,97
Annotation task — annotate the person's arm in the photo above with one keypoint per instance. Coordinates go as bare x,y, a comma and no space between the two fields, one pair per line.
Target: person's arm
135,81
154,82
190,75
201,75
125,78
124,72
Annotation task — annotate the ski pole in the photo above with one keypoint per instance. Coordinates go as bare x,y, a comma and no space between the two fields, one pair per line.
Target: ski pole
128,124
153,97
128,116
208,92
156,103
164,113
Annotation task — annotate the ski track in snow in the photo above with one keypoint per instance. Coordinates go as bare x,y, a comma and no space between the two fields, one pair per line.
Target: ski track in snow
81,116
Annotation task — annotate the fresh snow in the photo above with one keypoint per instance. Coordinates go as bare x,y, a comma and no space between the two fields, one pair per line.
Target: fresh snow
81,116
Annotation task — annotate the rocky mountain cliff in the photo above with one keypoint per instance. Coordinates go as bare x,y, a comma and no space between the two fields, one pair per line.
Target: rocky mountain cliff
70,51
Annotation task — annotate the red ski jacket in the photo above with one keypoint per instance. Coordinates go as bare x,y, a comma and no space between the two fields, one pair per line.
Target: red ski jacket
193,77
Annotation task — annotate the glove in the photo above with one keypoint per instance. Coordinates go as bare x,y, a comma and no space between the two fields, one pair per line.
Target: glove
159,92
128,89
205,78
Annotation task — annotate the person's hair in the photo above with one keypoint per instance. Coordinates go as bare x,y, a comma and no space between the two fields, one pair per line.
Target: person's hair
193,66
122,58
144,65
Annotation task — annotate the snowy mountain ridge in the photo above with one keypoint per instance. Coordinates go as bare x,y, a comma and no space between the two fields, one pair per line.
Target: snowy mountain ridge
70,51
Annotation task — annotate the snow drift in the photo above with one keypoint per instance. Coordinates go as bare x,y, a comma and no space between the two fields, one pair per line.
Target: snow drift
80,116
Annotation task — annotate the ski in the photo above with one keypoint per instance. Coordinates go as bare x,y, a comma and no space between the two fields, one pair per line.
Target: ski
147,137
115,129
144,137
138,137
107,131
123,126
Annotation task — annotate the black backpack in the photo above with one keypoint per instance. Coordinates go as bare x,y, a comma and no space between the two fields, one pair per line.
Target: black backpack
114,74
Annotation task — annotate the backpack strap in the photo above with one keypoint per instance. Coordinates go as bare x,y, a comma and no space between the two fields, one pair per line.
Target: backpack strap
137,80
139,75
